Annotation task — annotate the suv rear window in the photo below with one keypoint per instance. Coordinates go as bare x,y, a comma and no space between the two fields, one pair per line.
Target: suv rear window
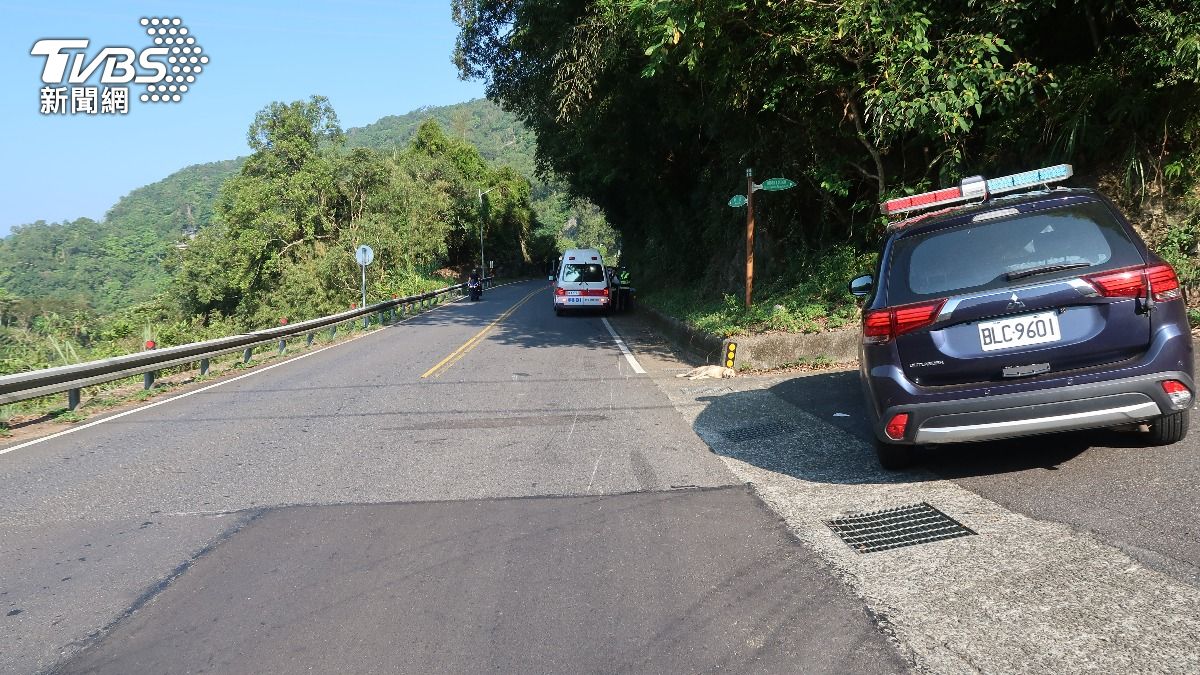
574,273
979,256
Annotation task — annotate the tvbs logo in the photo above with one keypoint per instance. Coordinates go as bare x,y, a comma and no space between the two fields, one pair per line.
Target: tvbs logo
167,69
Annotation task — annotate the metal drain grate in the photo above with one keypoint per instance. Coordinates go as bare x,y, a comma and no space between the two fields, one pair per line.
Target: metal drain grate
757,431
895,528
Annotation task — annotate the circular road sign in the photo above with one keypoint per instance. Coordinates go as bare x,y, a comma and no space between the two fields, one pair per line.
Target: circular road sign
364,255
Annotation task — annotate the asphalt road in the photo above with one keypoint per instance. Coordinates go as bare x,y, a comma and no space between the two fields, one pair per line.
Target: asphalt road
483,487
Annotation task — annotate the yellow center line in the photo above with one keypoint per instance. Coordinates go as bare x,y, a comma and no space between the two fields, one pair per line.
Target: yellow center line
474,341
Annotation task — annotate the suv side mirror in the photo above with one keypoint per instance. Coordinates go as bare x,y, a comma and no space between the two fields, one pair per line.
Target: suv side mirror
862,286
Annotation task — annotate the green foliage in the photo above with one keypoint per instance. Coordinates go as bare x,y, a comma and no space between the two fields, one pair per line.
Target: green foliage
653,109
501,139
290,221
115,263
69,416
813,301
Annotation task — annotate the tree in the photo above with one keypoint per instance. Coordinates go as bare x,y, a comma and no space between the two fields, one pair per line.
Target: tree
653,109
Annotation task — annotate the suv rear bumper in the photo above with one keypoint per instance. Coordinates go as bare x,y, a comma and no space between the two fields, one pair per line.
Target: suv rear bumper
1068,408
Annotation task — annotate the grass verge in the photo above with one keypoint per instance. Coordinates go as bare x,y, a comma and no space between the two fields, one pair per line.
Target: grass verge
811,298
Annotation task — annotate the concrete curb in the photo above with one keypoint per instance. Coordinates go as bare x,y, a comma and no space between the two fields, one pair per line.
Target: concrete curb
759,352
776,350
709,348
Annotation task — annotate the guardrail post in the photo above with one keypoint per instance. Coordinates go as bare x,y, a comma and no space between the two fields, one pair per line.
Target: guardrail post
246,354
148,377
309,338
203,367
72,399
282,341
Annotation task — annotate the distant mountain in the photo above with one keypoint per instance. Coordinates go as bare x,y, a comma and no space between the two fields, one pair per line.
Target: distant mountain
117,263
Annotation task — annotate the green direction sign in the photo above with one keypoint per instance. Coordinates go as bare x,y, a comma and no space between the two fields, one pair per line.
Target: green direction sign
737,200
776,184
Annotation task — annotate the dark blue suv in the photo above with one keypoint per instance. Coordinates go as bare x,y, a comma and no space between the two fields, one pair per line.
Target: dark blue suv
1019,310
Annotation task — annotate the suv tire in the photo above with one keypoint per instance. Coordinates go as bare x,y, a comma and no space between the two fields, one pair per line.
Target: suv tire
895,457
1169,428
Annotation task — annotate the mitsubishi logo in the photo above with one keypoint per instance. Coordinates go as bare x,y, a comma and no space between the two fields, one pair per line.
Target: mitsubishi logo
1016,303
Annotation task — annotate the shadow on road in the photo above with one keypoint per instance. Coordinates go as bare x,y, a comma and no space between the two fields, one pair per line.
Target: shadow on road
814,450
533,325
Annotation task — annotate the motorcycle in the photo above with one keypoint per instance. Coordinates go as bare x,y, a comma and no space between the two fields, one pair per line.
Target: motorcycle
475,289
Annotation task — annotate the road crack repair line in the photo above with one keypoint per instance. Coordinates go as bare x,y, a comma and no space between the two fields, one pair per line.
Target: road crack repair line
1025,595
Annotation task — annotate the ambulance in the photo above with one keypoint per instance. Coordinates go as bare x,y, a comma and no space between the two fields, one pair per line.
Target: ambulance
581,282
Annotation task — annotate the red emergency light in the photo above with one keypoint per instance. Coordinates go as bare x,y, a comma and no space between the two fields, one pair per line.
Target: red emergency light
977,188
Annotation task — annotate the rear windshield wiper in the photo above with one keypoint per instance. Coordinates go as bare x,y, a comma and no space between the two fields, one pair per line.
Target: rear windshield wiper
1013,276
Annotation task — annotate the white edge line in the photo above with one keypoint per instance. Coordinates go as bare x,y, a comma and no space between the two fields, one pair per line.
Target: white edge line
637,367
257,370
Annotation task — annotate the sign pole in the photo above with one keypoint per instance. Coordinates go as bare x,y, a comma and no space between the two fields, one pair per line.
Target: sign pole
747,200
482,218
364,255
749,235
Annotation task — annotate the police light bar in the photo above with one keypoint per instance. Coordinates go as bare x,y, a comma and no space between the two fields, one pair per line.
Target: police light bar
1020,181
976,188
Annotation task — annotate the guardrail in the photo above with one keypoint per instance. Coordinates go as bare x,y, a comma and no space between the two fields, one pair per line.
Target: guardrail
72,378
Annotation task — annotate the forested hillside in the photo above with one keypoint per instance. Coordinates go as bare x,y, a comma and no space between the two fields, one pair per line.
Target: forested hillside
499,136
100,267
654,110
118,262
288,223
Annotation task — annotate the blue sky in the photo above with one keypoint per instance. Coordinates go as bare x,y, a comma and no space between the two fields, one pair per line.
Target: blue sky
371,58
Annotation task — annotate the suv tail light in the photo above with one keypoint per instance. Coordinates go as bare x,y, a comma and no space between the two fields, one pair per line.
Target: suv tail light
560,291
1163,282
1178,393
1131,282
896,427
881,325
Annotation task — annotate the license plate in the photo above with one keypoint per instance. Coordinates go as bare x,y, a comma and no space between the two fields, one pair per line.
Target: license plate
572,292
1019,331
